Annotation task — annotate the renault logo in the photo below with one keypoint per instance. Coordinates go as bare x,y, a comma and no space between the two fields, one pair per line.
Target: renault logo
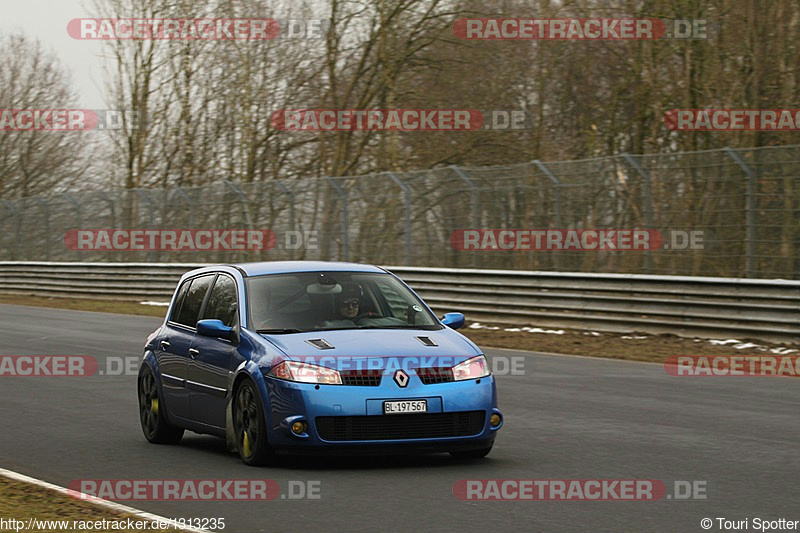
401,378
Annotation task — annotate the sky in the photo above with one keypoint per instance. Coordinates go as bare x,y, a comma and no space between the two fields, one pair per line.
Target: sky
46,20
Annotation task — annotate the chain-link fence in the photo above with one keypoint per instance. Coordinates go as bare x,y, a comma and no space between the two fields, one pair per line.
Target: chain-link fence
744,205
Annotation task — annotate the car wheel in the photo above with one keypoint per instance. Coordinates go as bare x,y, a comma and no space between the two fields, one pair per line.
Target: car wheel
249,426
471,454
152,413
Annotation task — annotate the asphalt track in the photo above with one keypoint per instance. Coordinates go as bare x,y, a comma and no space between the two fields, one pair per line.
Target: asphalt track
566,418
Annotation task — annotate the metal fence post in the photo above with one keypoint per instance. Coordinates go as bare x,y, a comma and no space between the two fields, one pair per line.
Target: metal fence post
408,205
17,225
43,207
188,200
78,217
112,207
243,201
648,203
474,199
552,177
150,218
557,182
343,195
282,186
750,210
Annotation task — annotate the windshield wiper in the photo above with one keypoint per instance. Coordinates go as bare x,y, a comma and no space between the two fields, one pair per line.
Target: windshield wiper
279,330
407,326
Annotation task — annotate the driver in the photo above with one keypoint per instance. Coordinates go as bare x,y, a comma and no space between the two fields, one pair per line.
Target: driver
348,304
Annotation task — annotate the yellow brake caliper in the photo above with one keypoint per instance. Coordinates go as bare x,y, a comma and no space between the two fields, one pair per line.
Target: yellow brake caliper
154,405
246,444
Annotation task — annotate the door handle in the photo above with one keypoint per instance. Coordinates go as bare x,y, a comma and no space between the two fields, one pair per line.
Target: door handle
194,352
163,344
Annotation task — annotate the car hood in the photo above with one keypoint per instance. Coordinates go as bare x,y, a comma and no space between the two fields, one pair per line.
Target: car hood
450,347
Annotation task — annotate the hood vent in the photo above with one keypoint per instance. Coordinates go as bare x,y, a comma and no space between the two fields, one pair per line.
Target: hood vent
426,341
321,344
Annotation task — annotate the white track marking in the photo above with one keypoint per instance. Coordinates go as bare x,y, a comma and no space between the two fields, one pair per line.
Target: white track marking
102,503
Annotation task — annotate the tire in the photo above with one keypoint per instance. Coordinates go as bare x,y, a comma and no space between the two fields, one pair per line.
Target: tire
152,412
249,426
471,454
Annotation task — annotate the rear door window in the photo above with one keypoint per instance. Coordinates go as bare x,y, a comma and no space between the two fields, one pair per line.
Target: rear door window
176,309
194,300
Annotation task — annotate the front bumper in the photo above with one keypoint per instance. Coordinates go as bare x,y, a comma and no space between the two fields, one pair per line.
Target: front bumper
357,414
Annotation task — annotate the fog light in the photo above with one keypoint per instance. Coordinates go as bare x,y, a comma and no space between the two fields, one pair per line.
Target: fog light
495,420
298,428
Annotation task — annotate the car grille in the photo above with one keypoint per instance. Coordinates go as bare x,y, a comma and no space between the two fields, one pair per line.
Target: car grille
430,376
405,426
362,378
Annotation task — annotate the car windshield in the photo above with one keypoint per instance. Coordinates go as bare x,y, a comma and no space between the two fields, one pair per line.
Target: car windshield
313,301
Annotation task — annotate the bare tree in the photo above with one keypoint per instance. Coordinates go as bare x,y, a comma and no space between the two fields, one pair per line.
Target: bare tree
36,162
135,84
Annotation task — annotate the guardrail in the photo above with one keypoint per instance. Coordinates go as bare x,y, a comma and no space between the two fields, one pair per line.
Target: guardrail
681,305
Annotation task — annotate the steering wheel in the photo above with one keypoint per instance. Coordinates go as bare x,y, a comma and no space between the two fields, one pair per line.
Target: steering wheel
362,316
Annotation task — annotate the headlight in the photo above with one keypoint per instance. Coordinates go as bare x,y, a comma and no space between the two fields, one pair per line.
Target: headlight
305,373
477,367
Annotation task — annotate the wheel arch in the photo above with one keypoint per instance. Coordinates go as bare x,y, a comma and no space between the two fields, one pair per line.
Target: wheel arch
150,362
253,373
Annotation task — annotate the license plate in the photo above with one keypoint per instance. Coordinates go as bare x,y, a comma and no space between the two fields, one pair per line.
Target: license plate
405,406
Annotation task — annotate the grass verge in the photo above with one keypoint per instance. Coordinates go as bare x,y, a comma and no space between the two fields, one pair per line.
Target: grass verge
84,304
631,347
23,501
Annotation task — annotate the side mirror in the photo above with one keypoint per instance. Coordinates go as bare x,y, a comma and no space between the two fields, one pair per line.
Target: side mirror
212,327
453,320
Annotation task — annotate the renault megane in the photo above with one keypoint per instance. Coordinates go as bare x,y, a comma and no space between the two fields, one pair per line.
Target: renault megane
305,356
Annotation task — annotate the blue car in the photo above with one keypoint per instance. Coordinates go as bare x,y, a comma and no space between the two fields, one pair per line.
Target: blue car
314,356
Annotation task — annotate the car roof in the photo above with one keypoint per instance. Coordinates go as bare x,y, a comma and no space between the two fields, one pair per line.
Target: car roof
285,267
